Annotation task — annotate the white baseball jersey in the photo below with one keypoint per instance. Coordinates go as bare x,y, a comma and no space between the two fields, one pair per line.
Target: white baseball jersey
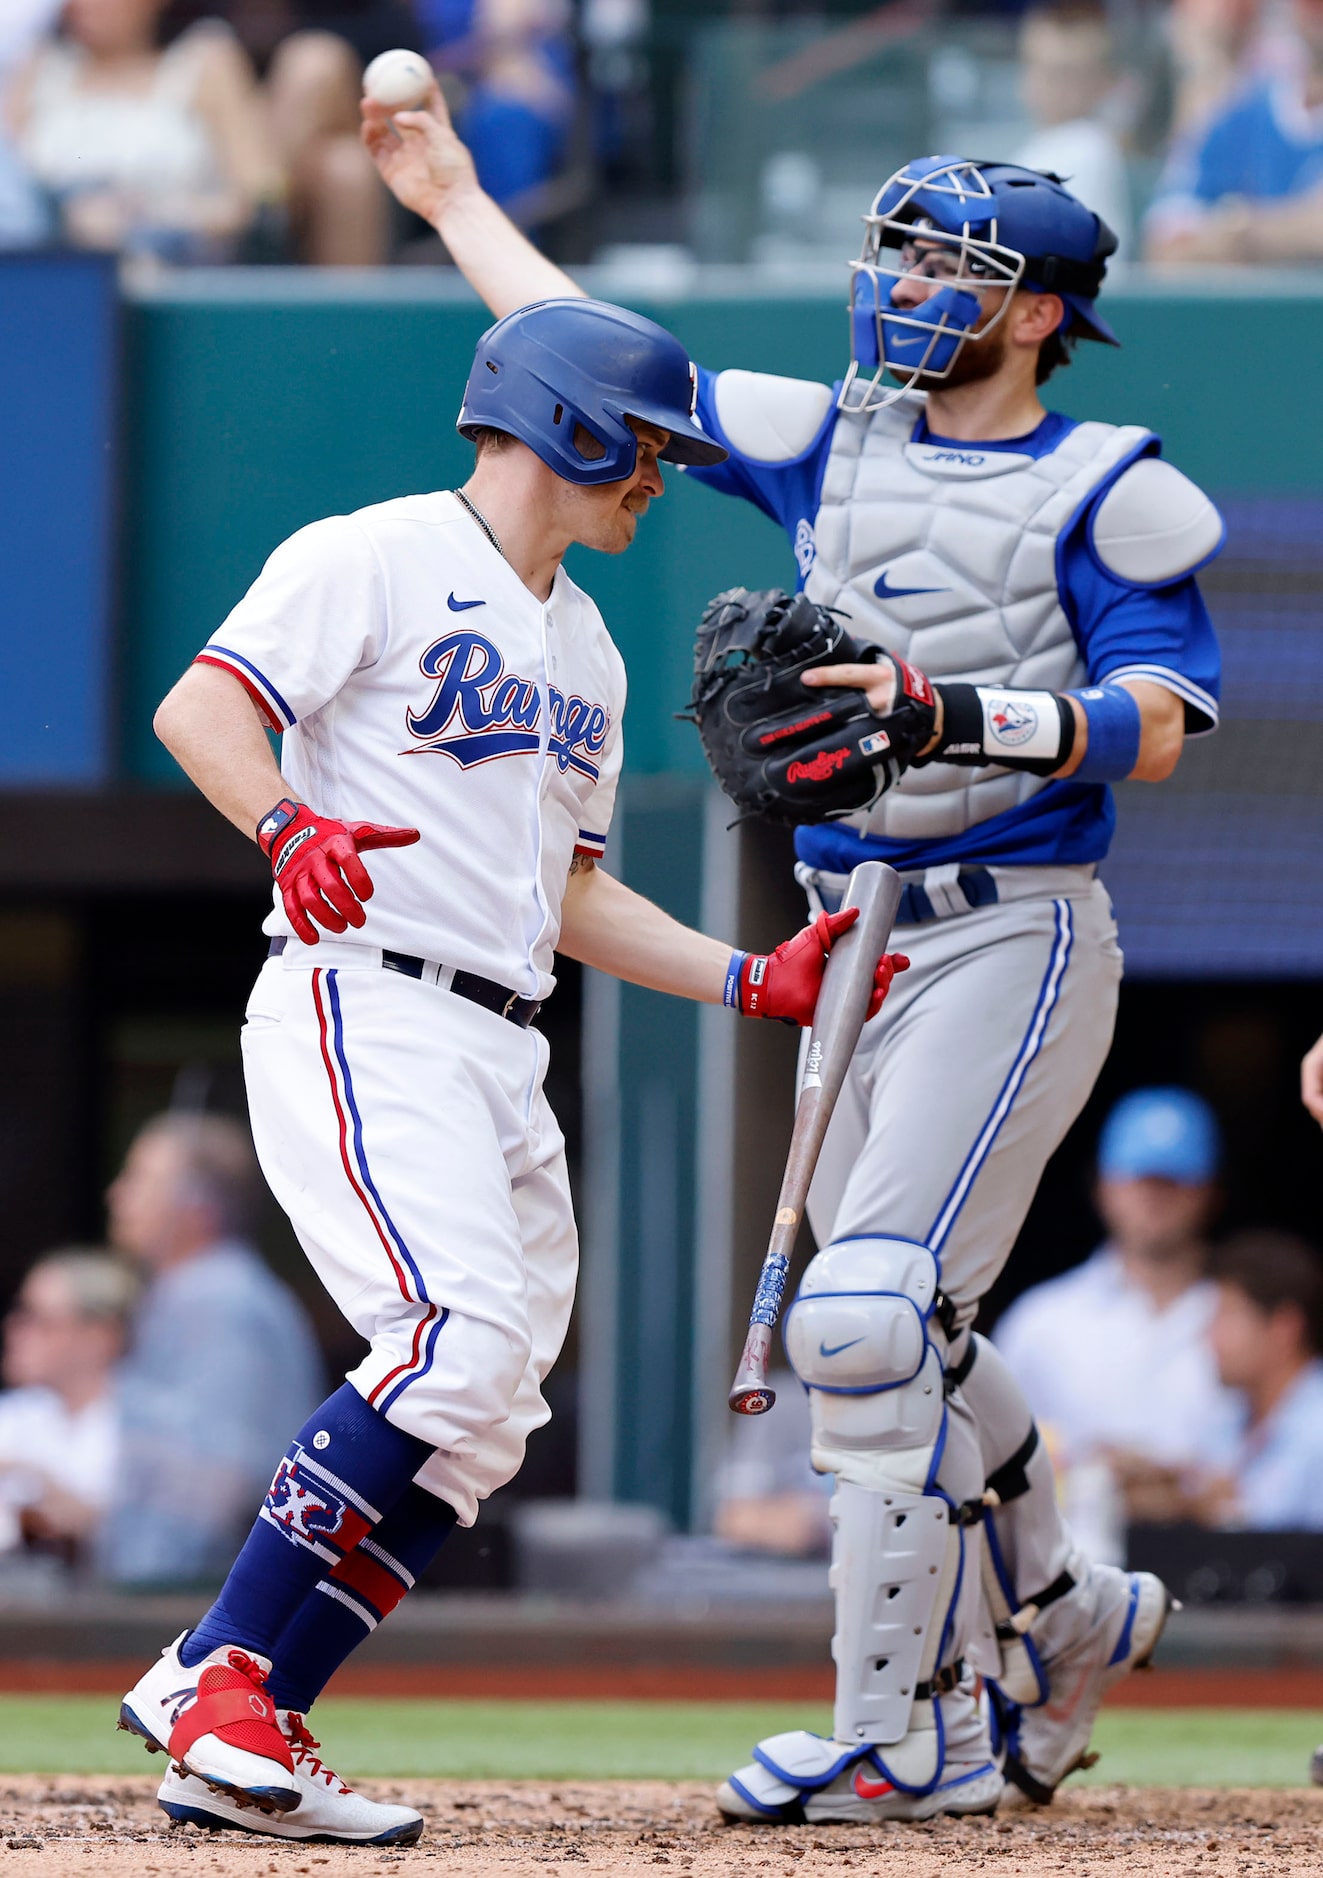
418,682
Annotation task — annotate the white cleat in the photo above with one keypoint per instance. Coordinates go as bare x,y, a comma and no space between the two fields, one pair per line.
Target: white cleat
804,1779
217,1722
1045,1743
328,1811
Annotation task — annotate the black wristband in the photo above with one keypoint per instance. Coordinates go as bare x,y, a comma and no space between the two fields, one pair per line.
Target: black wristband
965,735
961,740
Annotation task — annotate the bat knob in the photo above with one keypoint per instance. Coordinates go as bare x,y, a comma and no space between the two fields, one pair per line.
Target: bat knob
745,1401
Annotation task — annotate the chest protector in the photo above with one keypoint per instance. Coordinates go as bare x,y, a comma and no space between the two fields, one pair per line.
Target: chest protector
948,557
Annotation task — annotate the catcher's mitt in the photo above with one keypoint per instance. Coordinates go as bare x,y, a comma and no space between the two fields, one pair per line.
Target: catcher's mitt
781,749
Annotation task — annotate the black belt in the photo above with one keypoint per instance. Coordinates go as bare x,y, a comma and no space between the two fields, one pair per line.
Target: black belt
478,990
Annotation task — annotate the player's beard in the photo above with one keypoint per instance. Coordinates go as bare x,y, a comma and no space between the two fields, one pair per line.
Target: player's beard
979,358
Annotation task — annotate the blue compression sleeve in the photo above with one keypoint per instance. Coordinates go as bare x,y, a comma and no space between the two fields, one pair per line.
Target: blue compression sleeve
1112,715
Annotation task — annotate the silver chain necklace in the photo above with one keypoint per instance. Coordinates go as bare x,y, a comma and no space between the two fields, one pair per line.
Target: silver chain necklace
482,522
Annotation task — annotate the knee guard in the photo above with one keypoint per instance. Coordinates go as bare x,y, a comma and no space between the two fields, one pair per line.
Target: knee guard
858,1336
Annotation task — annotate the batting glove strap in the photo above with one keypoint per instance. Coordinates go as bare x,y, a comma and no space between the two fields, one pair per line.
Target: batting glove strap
283,830
981,724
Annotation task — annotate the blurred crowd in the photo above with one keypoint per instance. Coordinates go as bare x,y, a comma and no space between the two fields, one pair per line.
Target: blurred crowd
207,131
222,130
1239,178
150,1384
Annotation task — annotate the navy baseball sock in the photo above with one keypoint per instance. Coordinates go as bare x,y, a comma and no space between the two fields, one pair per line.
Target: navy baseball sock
344,1470
351,1599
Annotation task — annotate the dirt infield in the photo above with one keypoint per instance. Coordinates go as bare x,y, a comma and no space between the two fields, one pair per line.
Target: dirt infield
55,1827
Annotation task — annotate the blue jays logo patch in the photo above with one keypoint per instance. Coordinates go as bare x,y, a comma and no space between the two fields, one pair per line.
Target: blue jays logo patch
303,1503
1013,722
479,711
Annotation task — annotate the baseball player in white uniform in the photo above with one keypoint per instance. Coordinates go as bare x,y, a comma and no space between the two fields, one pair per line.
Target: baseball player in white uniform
1036,575
430,665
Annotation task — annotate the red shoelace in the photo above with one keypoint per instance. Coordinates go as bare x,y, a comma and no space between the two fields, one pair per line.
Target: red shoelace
247,1667
303,1747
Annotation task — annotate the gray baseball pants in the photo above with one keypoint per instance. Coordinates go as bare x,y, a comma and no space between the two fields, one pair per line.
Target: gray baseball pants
959,1092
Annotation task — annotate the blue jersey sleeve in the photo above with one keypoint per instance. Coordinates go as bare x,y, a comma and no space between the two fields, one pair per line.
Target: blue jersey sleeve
788,491
1160,633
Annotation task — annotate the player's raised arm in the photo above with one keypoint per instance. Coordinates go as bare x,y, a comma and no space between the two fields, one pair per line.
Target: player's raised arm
428,169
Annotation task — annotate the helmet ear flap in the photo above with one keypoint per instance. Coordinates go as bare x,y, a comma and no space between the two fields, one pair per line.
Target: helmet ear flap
865,311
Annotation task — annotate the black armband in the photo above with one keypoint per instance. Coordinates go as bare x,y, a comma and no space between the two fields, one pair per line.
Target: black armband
1028,730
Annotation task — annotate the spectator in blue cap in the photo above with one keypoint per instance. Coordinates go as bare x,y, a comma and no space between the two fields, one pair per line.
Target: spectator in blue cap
1114,1355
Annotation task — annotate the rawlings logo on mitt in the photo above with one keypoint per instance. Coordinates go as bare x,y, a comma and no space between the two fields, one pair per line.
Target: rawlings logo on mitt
779,749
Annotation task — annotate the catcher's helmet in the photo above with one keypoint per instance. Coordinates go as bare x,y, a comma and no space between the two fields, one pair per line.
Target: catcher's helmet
996,225
559,363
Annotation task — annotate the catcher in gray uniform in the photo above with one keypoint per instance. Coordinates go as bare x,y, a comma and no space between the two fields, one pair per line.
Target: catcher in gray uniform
1034,578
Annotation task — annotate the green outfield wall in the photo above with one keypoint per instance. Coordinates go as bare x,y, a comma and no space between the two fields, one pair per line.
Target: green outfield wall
257,402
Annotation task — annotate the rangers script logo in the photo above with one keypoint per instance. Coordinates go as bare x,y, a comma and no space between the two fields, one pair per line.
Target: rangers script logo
479,711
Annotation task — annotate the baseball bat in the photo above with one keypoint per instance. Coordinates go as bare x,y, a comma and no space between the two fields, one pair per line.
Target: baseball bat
847,985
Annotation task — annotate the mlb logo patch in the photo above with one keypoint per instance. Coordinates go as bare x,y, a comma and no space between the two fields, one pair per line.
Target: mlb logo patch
303,1504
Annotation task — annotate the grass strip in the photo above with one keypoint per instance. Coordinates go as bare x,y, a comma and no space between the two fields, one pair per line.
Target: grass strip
61,1734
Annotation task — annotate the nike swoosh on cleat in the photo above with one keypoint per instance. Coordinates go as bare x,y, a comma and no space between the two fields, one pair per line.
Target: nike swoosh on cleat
870,1789
824,1351
885,591
462,606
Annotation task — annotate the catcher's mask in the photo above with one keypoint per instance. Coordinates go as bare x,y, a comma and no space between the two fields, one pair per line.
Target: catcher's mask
541,372
969,227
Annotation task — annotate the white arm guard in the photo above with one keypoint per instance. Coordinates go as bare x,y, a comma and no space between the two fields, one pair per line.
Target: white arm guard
771,420
1154,525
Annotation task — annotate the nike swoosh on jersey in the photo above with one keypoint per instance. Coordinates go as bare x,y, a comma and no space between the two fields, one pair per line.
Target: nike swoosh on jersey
885,591
870,1789
824,1351
462,606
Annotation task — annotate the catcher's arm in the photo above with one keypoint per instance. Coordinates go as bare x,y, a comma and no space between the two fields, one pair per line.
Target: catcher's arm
960,721
428,168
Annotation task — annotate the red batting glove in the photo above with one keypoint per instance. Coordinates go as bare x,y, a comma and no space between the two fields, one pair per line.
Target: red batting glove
314,862
784,984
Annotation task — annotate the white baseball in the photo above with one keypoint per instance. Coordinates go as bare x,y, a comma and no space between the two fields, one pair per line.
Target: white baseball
400,80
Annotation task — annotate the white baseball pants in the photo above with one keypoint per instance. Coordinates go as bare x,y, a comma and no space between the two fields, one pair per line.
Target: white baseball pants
406,1133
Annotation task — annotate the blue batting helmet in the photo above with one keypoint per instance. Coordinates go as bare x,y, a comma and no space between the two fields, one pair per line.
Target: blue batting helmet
541,372
983,225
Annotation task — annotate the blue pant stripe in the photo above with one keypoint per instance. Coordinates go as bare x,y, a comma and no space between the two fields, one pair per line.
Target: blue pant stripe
1048,993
